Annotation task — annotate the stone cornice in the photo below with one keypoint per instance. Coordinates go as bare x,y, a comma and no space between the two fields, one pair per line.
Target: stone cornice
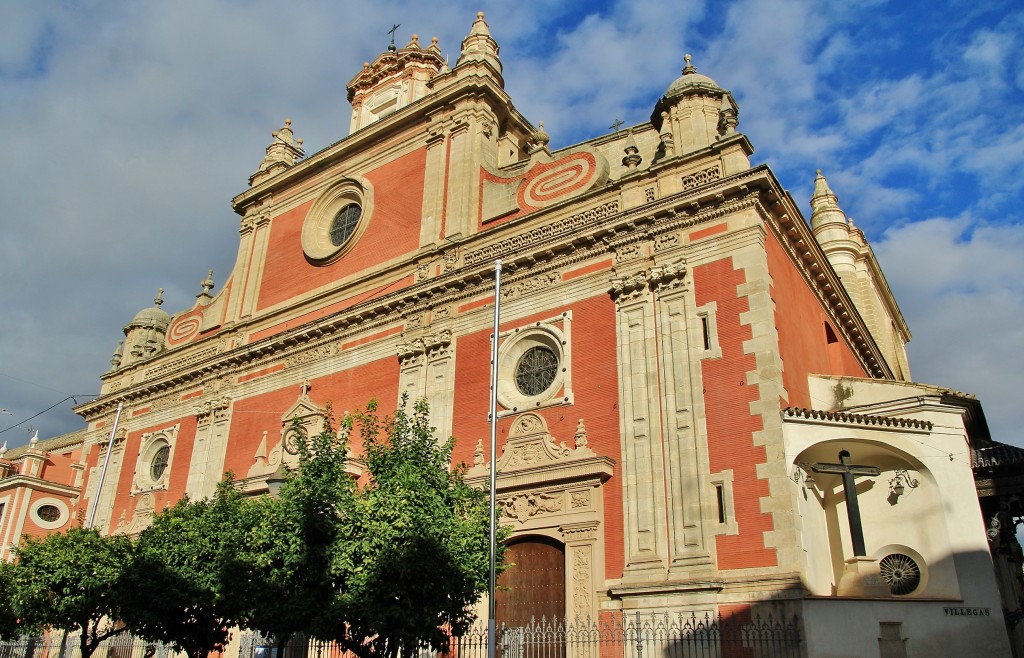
797,414
534,244
414,114
38,484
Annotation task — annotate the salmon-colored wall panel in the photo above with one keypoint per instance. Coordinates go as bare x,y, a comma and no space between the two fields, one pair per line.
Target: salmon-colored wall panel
181,457
595,390
393,230
730,423
800,320
348,390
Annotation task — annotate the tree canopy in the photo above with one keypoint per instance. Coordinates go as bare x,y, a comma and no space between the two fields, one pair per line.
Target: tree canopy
185,581
415,555
384,564
74,581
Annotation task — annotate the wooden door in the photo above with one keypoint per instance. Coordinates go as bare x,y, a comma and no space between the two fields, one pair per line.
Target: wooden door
533,588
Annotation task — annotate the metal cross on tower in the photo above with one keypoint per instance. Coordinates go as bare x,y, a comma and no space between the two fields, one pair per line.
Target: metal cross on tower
615,124
849,471
392,33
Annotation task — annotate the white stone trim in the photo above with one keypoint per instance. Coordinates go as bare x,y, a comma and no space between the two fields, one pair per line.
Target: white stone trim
61,505
555,334
316,229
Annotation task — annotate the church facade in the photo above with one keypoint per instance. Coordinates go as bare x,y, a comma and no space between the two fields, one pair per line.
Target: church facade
704,400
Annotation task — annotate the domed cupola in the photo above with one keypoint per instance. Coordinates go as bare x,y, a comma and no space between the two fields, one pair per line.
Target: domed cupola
699,112
396,78
144,335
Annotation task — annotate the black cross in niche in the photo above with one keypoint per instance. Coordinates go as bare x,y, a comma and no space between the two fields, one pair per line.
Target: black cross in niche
849,471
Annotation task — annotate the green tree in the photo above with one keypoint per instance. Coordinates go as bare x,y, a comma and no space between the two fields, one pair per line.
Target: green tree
9,626
73,581
289,586
414,555
186,574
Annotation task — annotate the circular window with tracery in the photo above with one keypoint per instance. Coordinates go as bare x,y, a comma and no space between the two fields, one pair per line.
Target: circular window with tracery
345,223
336,220
158,466
900,572
48,513
533,366
536,370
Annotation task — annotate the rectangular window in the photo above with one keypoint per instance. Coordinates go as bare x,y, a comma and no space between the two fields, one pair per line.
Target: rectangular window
720,494
705,325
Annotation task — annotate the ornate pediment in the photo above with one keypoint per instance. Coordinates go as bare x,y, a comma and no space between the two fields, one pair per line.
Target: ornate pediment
309,416
532,457
530,444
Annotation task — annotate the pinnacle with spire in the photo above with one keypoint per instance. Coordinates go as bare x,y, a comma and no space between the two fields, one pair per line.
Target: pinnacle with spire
825,210
282,153
479,46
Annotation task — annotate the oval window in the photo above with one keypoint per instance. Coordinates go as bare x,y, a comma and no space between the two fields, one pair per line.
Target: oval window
48,513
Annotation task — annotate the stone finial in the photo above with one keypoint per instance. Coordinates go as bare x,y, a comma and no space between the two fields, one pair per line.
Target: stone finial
3,449
282,153
665,135
540,136
159,299
632,159
728,116
414,42
689,68
825,206
115,358
207,285
581,435
35,438
479,46
478,453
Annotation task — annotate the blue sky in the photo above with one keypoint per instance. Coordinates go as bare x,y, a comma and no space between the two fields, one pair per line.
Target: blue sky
129,126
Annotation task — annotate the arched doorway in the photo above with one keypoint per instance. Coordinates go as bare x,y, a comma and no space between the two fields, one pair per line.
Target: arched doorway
533,588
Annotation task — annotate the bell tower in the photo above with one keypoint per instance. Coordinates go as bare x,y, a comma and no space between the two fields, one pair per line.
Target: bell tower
395,79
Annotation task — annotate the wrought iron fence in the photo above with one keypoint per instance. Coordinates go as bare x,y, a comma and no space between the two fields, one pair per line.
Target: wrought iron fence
59,645
678,635
615,636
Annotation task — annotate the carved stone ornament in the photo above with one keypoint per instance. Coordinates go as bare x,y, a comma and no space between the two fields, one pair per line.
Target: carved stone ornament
632,287
523,506
530,444
215,410
529,286
430,344
313,354
310,419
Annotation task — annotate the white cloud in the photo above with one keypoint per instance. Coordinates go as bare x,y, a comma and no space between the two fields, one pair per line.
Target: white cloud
129,126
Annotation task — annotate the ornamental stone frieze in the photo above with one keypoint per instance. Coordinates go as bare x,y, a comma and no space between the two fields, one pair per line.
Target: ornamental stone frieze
316,353
522,506
517,289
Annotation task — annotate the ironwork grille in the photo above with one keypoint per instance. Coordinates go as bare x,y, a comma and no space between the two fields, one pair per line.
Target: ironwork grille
536,370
